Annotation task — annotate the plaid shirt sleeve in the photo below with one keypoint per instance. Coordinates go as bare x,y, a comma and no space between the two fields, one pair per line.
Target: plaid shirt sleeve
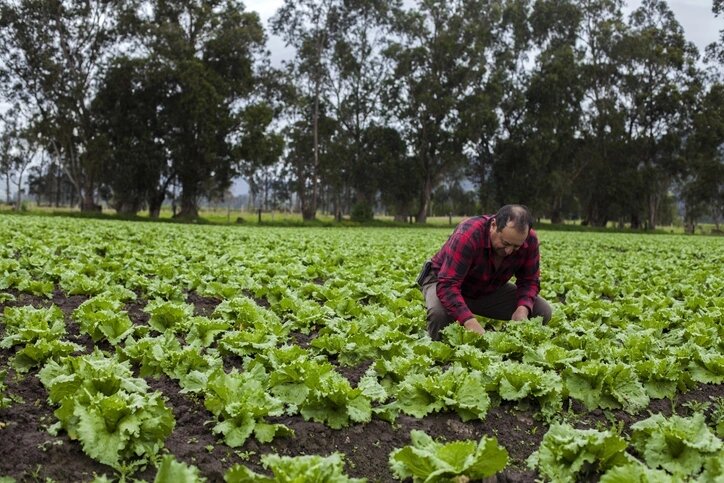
527,277
456,258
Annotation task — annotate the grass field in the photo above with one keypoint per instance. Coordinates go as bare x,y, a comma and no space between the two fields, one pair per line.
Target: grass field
224,216
148,350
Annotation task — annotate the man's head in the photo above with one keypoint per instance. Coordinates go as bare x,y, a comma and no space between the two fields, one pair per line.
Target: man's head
509,229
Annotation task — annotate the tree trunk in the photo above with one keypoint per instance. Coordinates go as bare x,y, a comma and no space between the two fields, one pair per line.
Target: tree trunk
424,201
653,208
58,187
308,212
189,208
154,204
88,204
311,213
19,201
556,212
7,188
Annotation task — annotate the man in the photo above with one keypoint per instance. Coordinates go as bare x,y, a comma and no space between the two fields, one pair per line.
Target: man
471,272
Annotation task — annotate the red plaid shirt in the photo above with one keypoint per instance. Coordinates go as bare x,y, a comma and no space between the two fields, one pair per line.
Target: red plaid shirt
465,268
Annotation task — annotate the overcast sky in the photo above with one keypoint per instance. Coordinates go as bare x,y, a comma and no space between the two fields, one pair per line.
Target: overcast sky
695,16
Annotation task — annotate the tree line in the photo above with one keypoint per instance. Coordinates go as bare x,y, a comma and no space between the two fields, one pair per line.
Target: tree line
568,106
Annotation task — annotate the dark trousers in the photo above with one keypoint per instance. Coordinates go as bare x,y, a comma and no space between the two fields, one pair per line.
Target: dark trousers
498,305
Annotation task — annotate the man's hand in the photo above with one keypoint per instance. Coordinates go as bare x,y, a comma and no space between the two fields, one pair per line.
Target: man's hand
521,313
474,326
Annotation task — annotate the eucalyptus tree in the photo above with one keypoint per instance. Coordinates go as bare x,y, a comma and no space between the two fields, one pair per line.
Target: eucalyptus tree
353,92
130,135
19,149
398,178
537,169
601,177
307,25
7,158
52,54
715,51
432,53
206,51
701,184
658,68
258,145
494,104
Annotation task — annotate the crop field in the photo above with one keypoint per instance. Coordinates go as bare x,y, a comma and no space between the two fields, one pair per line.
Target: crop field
170,353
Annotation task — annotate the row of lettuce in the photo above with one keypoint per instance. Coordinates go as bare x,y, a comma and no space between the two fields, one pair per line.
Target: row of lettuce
119,422
637,318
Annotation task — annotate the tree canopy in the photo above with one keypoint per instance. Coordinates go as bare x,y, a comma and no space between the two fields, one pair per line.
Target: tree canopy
409,108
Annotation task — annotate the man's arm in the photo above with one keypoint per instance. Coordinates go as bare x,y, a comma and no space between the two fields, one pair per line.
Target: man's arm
527,279
456,259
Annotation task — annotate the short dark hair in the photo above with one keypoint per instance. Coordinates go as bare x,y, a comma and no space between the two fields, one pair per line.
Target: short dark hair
518,214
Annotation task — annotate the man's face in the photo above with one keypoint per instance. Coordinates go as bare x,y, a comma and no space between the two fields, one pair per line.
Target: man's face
507,240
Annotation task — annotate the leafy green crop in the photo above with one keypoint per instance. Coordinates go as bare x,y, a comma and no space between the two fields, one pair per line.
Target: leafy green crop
679,445
309,305
241,405
114,416
102,318
456,388
39,331
4,401
172,471
285,469
568,454
426,460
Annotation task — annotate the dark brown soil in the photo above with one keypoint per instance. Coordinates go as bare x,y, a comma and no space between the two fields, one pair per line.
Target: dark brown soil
29,453
203,306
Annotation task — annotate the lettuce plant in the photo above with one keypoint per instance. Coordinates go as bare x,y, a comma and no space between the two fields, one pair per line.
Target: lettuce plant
286,469
241,406
39,331
429,461
679,445
114,416
102,318
569,454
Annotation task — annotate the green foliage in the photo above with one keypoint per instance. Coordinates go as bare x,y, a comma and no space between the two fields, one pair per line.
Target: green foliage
113,415
167,315
39,331
426,460
241,405
4,401
303,307
286,469
102,318
609,386
361,212
314,389
172,471
681,446
568,454
457,389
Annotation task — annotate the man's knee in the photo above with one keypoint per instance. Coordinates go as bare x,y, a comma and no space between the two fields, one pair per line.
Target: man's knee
437,319
542,308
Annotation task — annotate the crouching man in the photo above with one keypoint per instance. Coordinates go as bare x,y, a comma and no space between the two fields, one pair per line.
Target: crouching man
471,272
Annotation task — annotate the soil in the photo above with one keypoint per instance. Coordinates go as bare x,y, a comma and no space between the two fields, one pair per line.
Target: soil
29,453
